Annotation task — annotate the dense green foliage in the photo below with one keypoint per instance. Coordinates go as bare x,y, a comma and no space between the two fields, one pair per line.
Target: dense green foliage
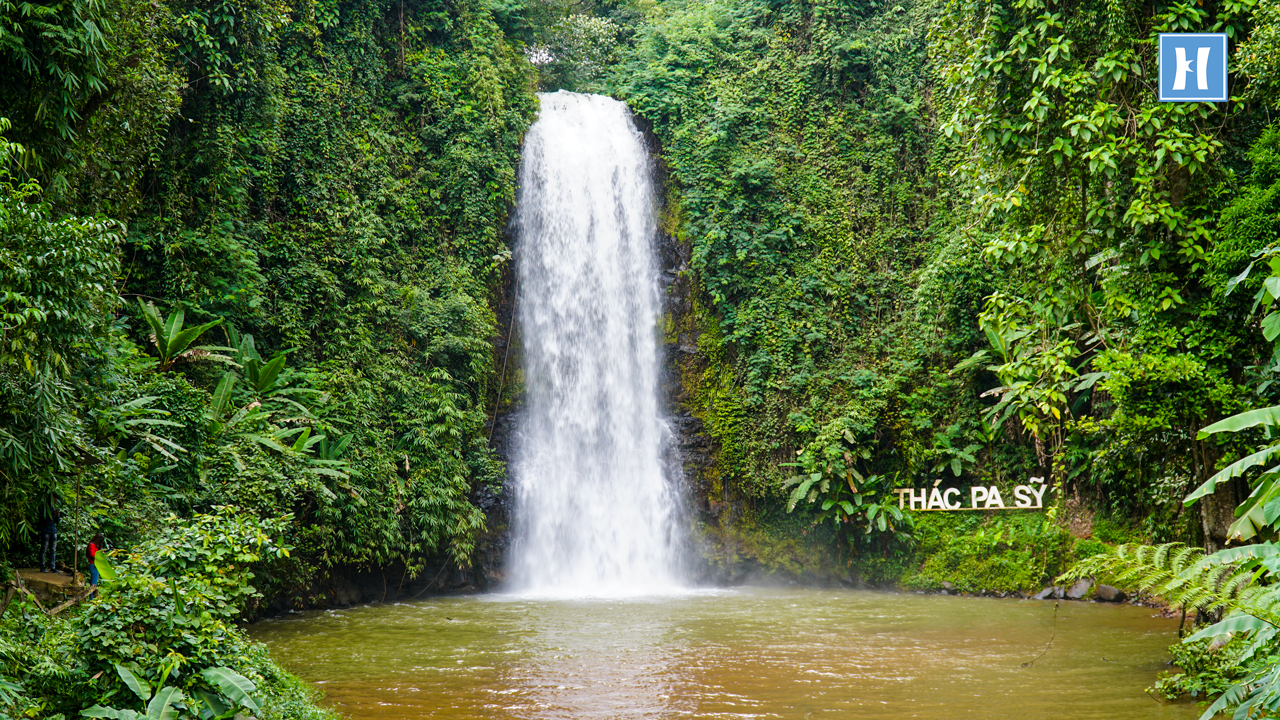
832,292
961,241
251,255
1006,555
162,626
320,195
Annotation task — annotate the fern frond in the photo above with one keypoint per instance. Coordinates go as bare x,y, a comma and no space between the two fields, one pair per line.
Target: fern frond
1184,575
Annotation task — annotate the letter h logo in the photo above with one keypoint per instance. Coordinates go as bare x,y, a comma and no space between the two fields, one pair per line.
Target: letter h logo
1193,67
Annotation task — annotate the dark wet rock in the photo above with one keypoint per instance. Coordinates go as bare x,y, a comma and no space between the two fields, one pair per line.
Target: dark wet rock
1079,589
1106,593
1049,593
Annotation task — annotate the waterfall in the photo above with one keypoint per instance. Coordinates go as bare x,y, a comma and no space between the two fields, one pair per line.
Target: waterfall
595,512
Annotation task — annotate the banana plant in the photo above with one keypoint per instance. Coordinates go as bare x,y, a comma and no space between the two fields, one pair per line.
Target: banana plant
157,705
166,701
256,422
1261,509
332,450
268,379
235,694
171,339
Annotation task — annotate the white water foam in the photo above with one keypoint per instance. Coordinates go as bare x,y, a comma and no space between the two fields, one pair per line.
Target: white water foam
595,513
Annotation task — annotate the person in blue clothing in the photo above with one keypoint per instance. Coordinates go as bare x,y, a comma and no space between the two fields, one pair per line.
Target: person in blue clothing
49,538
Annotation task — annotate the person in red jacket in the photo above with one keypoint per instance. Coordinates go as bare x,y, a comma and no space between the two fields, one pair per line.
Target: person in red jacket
97,543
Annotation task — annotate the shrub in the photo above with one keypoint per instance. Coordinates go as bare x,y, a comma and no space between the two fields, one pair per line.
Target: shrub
174,600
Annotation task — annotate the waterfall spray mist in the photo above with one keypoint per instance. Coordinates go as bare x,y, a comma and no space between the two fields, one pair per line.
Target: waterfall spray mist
595,512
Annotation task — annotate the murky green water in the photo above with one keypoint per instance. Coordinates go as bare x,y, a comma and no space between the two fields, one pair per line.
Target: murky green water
751,653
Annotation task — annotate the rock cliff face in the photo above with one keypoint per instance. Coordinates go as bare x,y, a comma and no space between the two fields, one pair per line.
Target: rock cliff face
489,561
722,550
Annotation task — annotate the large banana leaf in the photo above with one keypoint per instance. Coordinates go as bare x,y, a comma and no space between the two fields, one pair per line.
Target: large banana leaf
234,685
135,683
1253,512
1234,470
222,395
263,375
170,338
161,706
1261,551
1236,623
1245,420
213,703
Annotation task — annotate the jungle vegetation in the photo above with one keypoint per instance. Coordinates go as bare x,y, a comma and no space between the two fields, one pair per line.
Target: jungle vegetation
252,257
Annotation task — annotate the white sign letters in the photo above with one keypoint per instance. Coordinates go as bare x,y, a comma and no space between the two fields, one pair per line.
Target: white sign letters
981,497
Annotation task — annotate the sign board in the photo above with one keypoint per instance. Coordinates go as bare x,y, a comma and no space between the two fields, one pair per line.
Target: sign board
1193,67
980,497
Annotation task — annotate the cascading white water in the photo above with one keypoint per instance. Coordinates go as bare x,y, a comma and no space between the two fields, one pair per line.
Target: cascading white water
595,514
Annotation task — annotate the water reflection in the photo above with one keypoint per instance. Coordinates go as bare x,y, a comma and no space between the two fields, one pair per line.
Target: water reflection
731,654
603,658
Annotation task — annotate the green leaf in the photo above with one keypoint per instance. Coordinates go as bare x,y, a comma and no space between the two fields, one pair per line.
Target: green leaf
1231,624
108,573
222,394
1252,512
336,451
172,325
1225,556
269,373
234,685
181,341
161,706
267,442
1234,470
152,316
301,442
135,683
1233,282
1271,326
801,490
213,702
97,711
1269,416
1272,286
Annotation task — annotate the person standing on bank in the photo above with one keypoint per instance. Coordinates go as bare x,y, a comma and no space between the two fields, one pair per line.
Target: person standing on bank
97,543
49,539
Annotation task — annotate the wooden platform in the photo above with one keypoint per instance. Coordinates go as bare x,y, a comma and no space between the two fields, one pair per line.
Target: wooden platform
51,588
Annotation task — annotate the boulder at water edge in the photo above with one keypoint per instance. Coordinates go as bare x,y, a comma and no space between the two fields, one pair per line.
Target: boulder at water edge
1079,589
1106,593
